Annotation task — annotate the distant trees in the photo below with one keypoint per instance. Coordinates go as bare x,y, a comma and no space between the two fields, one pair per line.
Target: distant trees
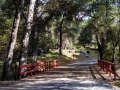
86,34
103,23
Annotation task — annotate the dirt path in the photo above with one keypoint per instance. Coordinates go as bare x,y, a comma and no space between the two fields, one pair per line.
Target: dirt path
81,75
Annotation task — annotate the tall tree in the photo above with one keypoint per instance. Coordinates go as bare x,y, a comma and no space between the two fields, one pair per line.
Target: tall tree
60,33
26,37
101,21
7,63
40,23
35,32
104,20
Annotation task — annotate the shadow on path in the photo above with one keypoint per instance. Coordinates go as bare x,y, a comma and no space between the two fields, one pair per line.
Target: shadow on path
74,76
99,73
92,73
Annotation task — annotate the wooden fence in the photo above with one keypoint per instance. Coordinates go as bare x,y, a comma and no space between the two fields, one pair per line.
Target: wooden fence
33,68
108,67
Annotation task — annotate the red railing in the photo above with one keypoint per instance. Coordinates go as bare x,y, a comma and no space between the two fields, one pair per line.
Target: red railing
37,67
108,67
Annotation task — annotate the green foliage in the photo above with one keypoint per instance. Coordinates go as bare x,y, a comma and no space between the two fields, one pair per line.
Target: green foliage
46,42
48,56
6,19
108,54
104,17
5,30
8,8
86,34
116,83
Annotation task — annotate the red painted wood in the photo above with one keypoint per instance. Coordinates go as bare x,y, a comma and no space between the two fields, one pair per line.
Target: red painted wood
37,67
108,67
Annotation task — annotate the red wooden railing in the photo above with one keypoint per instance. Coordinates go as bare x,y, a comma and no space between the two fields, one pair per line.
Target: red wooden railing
37,67
108,67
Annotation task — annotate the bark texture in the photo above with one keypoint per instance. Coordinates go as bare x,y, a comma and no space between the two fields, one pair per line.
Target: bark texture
8,61
26,37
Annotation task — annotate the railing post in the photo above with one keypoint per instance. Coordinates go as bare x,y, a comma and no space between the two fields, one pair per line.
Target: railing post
98,62
108,67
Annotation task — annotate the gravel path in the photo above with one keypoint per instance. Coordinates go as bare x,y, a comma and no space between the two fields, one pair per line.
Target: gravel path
76,76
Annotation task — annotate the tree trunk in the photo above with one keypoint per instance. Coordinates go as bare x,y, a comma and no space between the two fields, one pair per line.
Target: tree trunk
101,42
8,61
113,55
25,42
84,44
35,33
36,36
34,44
101,52
60,43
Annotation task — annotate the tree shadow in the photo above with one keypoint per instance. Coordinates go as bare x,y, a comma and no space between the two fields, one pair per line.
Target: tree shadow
92,73
61,84
99,73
